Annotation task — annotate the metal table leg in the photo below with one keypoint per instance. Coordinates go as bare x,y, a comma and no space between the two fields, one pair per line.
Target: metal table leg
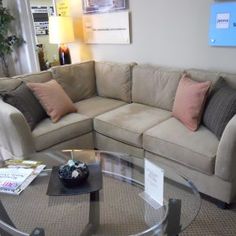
173,221
94,214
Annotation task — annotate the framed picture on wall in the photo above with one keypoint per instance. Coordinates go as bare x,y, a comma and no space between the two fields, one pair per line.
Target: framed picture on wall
40,17
109,28
100,6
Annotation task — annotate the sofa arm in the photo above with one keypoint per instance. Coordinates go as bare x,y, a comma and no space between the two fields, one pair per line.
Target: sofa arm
226,153
16,137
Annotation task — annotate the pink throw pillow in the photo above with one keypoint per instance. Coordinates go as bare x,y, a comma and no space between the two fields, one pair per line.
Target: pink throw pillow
189,101
53,99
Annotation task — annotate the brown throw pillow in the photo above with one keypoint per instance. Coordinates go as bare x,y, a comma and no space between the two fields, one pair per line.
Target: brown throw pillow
220,107
53,99
24,100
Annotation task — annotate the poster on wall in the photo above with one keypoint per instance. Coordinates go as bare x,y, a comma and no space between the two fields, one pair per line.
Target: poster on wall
223,24
40,17
63,8
109,28
96,6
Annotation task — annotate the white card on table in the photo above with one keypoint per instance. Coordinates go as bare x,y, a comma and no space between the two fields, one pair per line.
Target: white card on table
154,181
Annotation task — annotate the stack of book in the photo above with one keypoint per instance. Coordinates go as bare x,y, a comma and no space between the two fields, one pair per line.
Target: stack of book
16,175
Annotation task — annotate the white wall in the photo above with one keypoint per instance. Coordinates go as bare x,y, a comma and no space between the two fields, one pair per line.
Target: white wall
173,33
164,32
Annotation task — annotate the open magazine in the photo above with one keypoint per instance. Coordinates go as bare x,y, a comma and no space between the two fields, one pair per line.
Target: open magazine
16,175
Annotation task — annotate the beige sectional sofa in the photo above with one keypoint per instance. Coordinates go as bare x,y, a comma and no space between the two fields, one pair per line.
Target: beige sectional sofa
127,108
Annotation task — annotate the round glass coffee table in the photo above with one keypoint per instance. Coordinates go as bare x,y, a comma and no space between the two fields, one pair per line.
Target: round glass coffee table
116,209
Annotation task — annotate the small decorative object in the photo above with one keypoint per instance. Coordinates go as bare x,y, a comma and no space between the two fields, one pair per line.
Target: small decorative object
61,32
73,173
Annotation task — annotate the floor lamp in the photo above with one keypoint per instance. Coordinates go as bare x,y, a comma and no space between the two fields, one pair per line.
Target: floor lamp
61,32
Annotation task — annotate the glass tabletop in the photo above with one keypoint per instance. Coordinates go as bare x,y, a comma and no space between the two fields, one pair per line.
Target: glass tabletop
117,209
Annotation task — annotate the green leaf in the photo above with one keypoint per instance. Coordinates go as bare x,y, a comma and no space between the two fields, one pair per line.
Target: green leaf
8,41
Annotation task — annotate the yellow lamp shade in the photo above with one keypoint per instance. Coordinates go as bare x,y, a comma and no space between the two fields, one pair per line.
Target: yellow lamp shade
61,29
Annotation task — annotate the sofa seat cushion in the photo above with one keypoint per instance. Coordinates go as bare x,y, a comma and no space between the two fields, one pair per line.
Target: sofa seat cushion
127,123
173,140
47,134
95,106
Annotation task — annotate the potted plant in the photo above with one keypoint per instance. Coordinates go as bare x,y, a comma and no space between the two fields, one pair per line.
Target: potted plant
8,40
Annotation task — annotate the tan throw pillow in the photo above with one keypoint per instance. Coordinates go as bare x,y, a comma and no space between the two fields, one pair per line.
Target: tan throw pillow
189,101
53,99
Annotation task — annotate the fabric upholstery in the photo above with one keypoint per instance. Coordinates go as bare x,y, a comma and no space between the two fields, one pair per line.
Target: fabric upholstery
114,80
220,108
24,100
210,185
15,136
48,134
8,84
171,139
53,98
41,77
78,80
154,86
192,156
109,144
127,123
226,161
85,141
229,78
190,101
95,106
203,75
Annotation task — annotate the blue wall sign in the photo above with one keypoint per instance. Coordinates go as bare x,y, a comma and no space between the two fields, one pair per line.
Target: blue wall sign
223,24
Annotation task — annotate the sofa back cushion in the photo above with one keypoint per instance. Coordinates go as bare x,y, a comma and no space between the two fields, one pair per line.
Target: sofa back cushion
213,76
155,86
78,80
229,78
114,80
40,77
8,84
203,75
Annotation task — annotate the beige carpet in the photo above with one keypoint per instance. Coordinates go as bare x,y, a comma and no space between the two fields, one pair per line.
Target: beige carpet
212,221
